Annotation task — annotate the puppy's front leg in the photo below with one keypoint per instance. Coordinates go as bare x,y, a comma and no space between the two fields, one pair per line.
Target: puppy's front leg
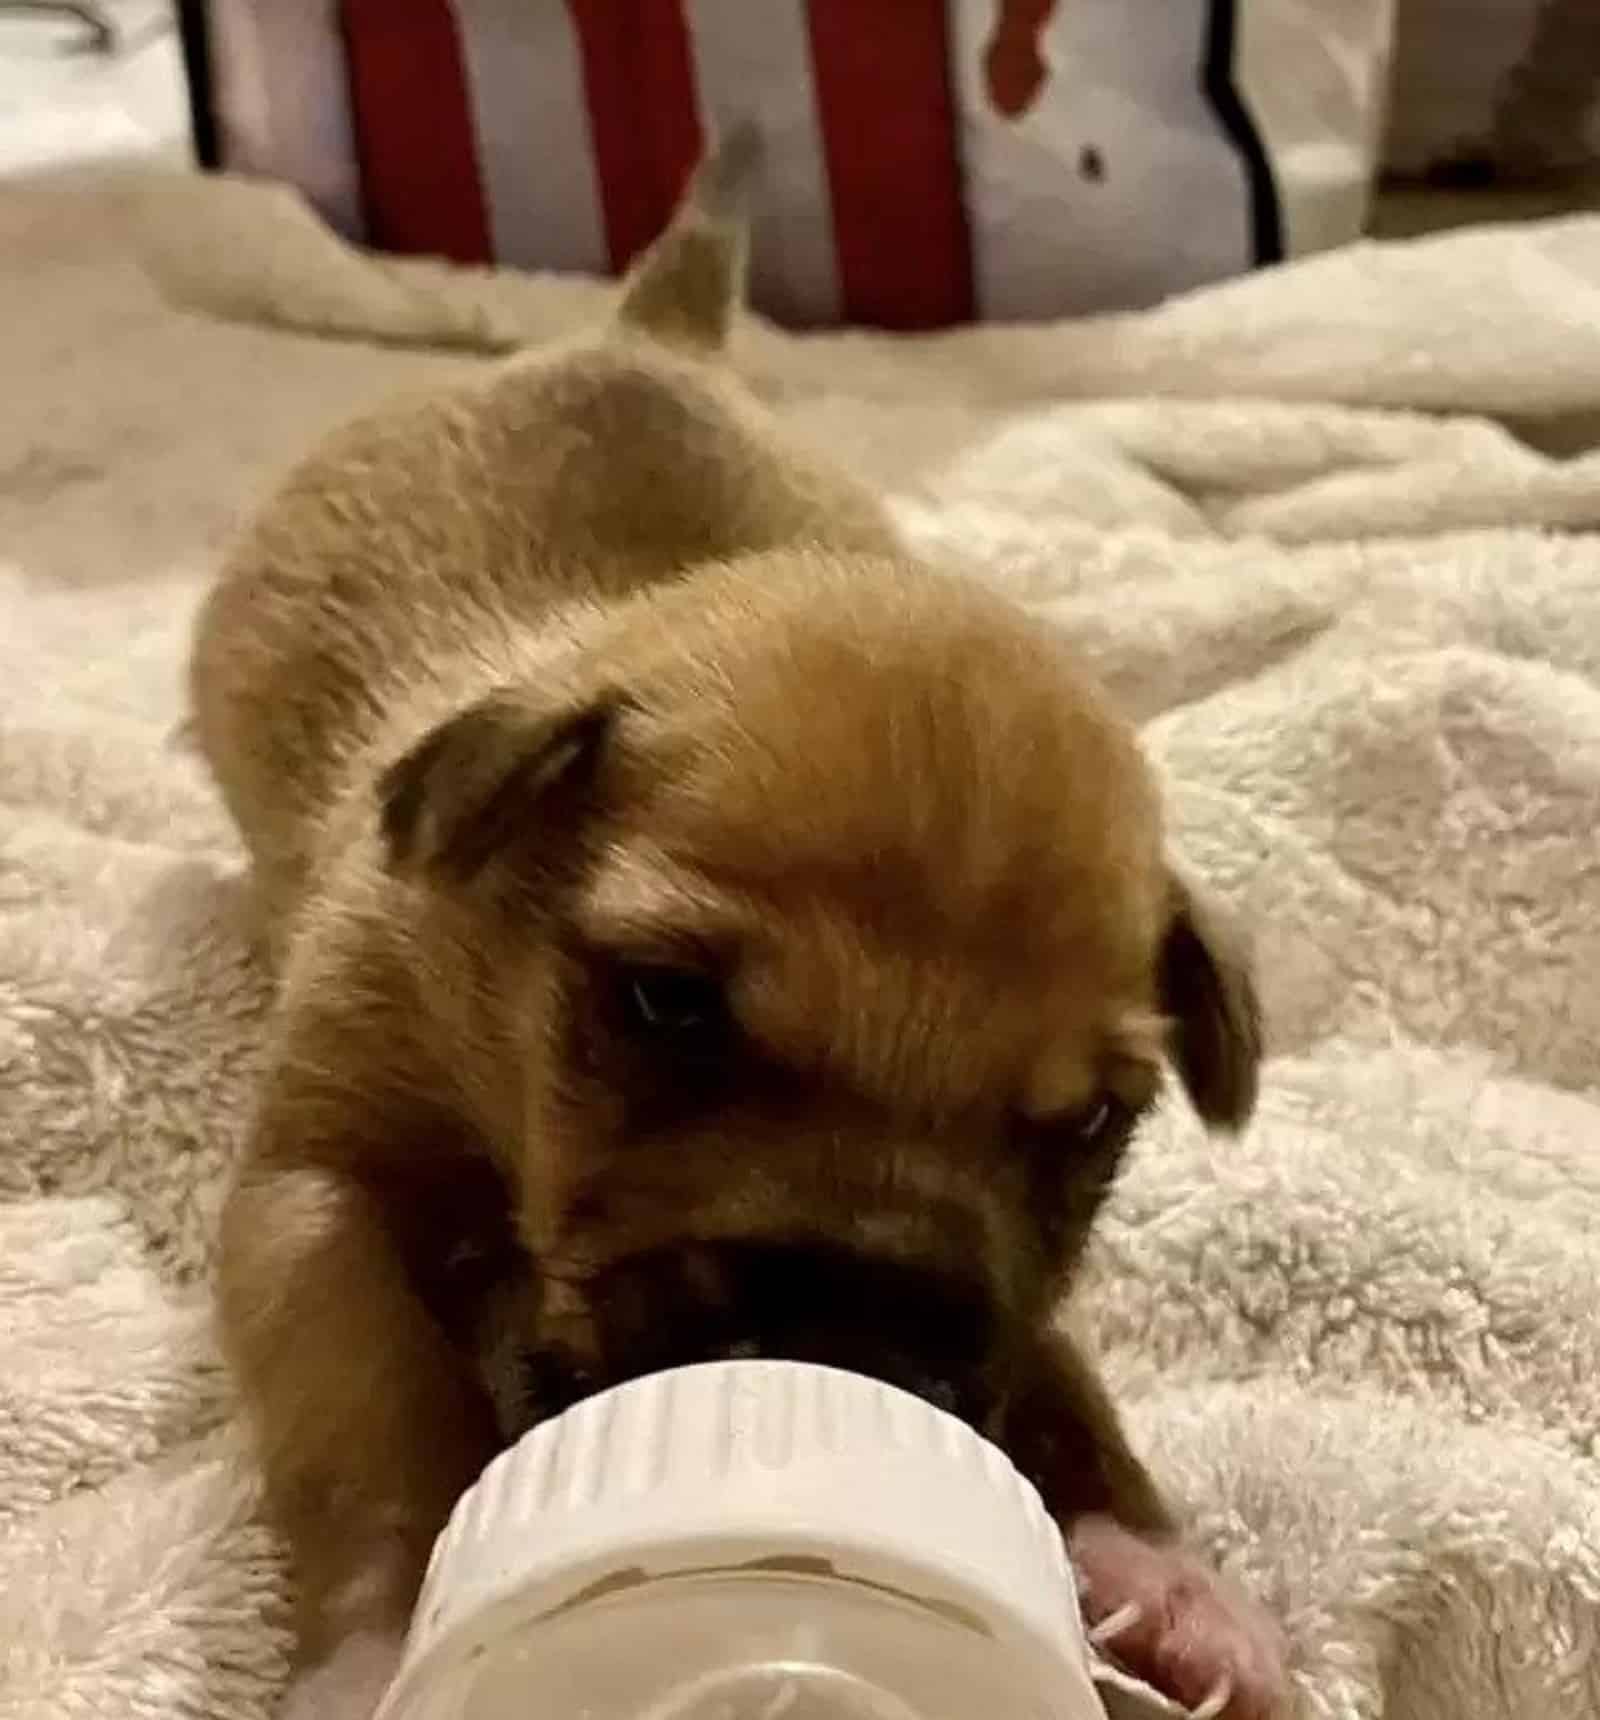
1162,1613
368,1425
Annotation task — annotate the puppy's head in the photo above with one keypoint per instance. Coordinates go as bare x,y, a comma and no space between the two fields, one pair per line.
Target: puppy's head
841,958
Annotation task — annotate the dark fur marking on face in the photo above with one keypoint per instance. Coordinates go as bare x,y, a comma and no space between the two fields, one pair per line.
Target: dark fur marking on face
1072,1165
456,1234
929,1330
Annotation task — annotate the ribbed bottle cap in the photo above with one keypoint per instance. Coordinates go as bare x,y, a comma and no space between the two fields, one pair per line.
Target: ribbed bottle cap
736,1464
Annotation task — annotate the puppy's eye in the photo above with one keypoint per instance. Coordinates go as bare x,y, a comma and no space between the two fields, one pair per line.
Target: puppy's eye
676,1004
1094,1122
1107,1120
1103,1122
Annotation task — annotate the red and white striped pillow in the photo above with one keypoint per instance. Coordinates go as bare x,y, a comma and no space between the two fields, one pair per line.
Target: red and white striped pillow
928,161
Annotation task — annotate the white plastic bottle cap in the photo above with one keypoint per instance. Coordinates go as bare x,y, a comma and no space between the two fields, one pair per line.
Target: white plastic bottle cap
748,1466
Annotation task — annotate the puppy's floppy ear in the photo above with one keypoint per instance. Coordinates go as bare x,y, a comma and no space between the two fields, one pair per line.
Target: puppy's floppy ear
468,787
1207,991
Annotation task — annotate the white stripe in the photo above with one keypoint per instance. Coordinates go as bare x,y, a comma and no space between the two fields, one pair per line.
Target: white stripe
1165,204
755,59
308,105
531,120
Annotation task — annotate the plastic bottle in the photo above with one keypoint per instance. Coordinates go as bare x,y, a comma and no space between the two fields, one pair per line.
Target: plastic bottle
752,1541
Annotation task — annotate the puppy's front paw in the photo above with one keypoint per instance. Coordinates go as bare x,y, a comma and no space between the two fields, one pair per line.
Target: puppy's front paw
349,1684
1173,1622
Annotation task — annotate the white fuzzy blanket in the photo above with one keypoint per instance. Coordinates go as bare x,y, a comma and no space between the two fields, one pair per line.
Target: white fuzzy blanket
1363,1344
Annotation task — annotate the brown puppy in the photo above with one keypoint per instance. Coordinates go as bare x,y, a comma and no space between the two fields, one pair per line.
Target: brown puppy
701,931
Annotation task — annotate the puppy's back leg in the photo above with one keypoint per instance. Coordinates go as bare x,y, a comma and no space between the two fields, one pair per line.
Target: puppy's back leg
686,288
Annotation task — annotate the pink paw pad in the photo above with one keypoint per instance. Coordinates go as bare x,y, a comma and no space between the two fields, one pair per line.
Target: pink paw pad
1172,1622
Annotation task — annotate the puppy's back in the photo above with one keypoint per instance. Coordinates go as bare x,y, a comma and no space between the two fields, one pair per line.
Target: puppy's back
420,554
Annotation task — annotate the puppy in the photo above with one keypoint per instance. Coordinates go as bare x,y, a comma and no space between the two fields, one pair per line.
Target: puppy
700,931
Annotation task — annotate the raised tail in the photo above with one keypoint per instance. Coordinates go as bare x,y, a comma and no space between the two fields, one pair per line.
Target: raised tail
687,287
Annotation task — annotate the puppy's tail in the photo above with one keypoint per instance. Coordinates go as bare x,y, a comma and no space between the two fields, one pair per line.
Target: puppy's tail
686,288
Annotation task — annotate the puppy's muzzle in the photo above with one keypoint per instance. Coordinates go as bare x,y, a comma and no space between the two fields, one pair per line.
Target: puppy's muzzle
930,1331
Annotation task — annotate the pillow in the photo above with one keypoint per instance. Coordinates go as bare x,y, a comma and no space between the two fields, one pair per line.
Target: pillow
928,161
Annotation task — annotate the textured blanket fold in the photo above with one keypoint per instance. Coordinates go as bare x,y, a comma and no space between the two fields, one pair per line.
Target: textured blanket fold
1362,1345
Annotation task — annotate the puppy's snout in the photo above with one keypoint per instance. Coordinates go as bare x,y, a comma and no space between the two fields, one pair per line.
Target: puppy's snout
927,1330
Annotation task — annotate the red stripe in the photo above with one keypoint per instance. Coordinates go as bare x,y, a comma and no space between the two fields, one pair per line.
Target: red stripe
414,134
638,76
888,112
